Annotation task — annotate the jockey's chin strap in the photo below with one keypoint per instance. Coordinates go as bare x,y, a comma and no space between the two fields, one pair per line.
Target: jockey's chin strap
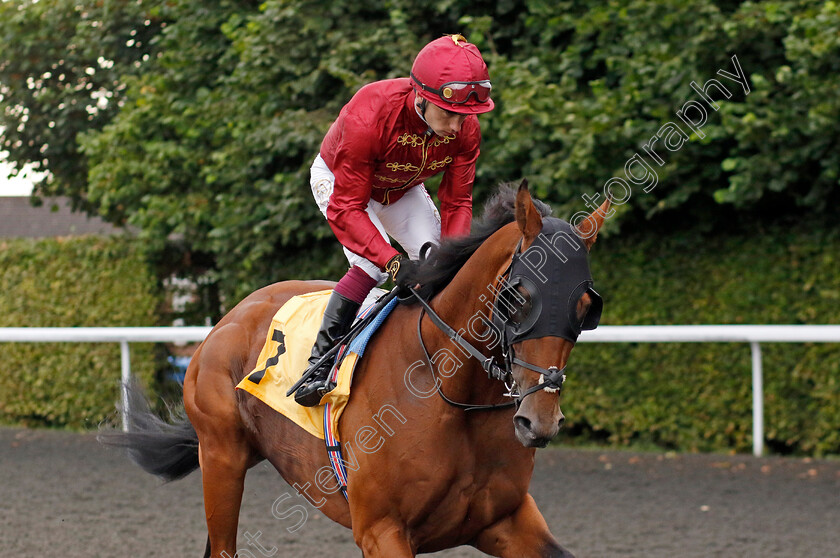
551,379
420,109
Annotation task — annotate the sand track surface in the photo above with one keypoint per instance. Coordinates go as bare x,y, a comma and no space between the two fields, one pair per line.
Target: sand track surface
62,494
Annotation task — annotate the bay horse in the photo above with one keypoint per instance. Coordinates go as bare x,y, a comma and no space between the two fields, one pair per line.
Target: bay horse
424,473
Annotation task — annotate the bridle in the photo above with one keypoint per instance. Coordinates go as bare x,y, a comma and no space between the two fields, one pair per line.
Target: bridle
551,378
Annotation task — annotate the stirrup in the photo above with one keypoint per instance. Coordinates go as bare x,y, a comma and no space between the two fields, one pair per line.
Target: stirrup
310,393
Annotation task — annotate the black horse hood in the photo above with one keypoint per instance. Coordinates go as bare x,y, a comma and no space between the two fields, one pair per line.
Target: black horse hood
539,296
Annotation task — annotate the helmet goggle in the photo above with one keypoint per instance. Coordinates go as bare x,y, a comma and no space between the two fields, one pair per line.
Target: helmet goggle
459,92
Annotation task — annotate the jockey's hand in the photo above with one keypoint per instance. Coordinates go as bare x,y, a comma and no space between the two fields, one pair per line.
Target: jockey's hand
403,272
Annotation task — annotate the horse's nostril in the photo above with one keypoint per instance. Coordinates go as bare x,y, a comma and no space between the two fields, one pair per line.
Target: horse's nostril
561,421
523,423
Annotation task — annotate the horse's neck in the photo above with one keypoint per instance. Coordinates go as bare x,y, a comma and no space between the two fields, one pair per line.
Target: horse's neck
467,298
471,290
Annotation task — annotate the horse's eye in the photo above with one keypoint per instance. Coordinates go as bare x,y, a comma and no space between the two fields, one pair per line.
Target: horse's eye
583,305
522,305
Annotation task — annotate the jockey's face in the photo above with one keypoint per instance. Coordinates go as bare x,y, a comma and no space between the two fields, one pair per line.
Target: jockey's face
443,122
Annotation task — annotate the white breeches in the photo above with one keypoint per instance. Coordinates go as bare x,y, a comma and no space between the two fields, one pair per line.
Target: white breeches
412,220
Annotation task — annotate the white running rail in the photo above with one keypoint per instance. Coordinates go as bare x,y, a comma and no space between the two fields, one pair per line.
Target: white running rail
752,334
121,335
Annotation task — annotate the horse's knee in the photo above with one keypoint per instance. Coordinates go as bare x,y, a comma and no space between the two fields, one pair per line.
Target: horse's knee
521,547
522,534
554,550
384,540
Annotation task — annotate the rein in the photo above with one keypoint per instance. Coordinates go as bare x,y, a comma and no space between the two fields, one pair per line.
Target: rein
488,363
551,379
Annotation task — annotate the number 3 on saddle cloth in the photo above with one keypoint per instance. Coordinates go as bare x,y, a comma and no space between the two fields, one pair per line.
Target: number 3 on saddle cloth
285,355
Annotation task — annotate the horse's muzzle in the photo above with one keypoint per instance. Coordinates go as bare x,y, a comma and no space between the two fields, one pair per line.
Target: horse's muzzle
533,435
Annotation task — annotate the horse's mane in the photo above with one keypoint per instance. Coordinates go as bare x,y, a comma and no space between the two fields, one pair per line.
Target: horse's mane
444,261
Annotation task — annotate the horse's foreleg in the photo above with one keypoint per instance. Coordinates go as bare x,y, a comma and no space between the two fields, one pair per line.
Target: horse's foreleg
523,534
384,539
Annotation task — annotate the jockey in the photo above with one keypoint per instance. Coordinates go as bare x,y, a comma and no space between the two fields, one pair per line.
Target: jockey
368,178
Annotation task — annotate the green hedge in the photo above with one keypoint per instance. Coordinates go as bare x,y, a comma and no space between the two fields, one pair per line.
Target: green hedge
71,282
691,397
697,396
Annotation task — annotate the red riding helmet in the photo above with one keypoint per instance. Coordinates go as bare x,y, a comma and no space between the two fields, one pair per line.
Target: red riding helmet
451,73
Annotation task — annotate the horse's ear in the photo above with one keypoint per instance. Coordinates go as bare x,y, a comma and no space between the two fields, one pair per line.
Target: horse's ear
527,216
588,229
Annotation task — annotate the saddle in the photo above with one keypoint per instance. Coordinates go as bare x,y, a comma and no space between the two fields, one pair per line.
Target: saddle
286,352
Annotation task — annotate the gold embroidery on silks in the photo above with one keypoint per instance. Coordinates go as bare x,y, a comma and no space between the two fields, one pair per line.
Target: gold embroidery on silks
402,167
435,165
442,140
388,179
388,191
416,141
410,139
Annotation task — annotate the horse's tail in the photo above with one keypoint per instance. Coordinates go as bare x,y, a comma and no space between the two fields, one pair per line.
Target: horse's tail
167,449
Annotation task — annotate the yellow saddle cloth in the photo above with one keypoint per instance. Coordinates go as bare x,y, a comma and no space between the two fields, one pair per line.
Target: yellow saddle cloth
284,358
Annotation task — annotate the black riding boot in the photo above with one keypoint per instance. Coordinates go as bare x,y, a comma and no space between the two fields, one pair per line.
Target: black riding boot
338,317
